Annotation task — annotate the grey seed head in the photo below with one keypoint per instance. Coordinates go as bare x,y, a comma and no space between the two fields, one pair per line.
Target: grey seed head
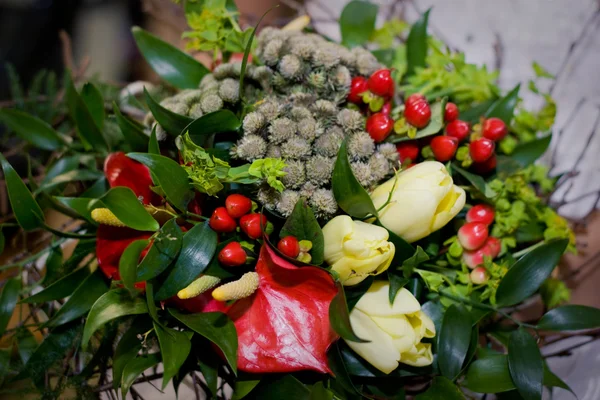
290,66
323,203
296,174
380,167
287,202
351,120
299,113
253,122
211,103
389,151
195,111
270,109
273,151
230,90
328,144
307,129
296,149
250,148
362,172
281,129
319,170
360,145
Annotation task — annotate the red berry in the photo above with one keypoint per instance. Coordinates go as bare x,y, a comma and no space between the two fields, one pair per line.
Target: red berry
358,86
481,213
485,167
387,108
473,235
490,249
251,225
381,83
232,255
494,129
417,111
238,205
479,276
409,149
289,246
458,129
444,147
379,126
221,221
494,244
450,112
481,149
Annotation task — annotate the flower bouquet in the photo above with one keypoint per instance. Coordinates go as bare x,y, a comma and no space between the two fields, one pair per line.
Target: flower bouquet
305,219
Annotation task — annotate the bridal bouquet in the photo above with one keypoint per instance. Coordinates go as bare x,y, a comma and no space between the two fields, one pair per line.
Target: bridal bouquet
305,219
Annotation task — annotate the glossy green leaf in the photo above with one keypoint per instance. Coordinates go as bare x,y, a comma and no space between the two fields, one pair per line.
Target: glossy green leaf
128,347
134,368
436,123
26,344
348,192
70,176
94,102
163,252
357,22
489,375
286,387
81,205
526,276
175,346
435,311
171,177
453,341
416,45
172,122
404,250
32,129
197,249
97,189
131,130
8,301
527,153
246,55
214,122
127,208
129,261
473,114
303,225
339,317
477,181
81,300
153,146
570,317
397,282
243,388
551,380
113,304
60,289
411,263
441,389
170,63
504,108
385,56
150,302
210,372
28,213
217,328
525,364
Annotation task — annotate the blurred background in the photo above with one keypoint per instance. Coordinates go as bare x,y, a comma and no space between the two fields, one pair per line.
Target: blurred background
94,37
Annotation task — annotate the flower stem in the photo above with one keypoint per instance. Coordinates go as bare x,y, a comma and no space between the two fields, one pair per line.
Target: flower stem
528,249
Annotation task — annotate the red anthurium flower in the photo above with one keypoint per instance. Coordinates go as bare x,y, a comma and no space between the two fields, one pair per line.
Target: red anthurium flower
111,242
284,325
121,170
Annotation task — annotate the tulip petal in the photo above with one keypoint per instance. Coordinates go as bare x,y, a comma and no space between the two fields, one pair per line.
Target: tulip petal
376,301
449,207
419,356
121,170
402,332
423,325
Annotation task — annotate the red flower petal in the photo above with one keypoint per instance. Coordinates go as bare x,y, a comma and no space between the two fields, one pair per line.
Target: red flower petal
111,242
121,170
284,325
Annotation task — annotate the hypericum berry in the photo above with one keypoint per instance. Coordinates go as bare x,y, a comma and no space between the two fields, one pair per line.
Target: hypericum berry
381,83
473,235
387,108
481,149
490,249
481,213
358,86
444,147
458,129
494,129
487,166
409,149
238,205
379,126
494,244
289,246
450,112
417,111
232,255
251,225
220,221
479,276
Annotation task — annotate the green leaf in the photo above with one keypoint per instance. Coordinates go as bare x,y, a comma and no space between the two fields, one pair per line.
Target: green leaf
8,301
397,282
2,240
131,130
477,181
134,368
525,364
70,176
153,146
81,205
504,108
570,317
129,261
489,375
303,225
247,53
453,341
441,389
551,380
28,213
171,177
175,346
416,45
127,208
410,264
32,129
540,71
214,122
81,300
339,317
170,63
473,114
286,387
243,388
197,249
385,56
217,328
59,289
210,371
349,194
26,344
163,252
172,122
94,102
404,250
526,153
357,22
128,347
525,277
111,305
436,123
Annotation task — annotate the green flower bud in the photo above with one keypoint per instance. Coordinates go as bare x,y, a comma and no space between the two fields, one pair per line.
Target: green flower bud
296,174
305,246
304,257
319,170
317,79
296,148
282,129
455,249
360,145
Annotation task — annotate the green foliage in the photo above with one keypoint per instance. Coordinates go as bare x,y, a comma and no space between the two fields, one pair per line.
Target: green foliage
357,22
128,209
525,364
164,251
214,122
453,341
570,317
339,317
417,45
385,36
8,301
270,170
303,225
